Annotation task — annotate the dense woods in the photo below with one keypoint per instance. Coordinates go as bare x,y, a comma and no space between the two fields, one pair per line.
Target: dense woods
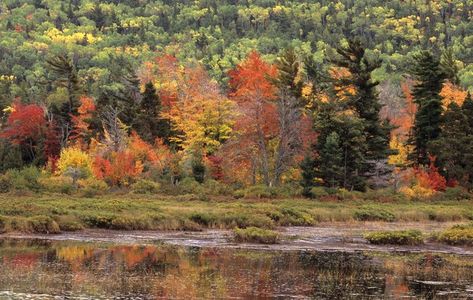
246,96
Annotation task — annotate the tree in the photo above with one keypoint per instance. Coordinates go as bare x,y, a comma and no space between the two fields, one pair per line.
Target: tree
426,92
454,147
254,93
364,98
331,161
150,124
25,127
66,76
308,174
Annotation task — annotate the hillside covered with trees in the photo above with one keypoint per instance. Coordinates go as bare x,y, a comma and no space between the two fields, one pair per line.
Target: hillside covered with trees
250,98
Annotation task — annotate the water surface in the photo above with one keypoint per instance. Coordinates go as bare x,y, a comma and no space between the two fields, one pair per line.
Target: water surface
43,269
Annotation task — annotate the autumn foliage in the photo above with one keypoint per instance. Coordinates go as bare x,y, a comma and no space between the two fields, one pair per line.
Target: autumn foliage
430,178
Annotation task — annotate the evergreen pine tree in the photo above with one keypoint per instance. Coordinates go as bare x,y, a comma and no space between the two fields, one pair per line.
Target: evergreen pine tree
364,101
429,79
331,160
454,147
308,175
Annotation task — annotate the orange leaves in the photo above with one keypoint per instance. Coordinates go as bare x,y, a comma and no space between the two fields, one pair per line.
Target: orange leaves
120,169
452,93
80,121
251,79
24,122
431,178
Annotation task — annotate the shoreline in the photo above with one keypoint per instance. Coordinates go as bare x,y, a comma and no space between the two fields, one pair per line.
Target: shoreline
325,237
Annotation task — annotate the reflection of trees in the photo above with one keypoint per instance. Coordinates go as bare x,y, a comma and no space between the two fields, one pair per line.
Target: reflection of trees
337,275
176,272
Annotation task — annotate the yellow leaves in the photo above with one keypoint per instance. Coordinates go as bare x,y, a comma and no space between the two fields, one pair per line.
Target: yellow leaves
74,159
399,159
68,37
7,77
451,93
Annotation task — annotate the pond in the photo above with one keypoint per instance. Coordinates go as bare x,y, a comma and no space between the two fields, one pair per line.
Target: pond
46,269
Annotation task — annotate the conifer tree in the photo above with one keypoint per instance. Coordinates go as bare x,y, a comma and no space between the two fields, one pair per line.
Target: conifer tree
364,100
429,79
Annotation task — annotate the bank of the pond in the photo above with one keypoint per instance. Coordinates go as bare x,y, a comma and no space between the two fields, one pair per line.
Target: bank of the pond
59,213
338,237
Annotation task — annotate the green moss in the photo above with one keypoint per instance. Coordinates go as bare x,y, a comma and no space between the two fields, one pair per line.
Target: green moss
255,235
402,237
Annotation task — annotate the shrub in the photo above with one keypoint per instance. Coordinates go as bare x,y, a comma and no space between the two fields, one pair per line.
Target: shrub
243,220
259,191
293,217
67,223
402,237
144,186
455,193
255,235
75,163
25,179
373,214
238,194
42,224
457,235
203,218
189,186
3,224
131,223
5,183
92,186
317,192
214,187
57,184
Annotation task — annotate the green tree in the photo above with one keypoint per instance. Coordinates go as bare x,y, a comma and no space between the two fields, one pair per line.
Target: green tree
429,78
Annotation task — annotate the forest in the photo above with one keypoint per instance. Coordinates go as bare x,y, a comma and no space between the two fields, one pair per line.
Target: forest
256,98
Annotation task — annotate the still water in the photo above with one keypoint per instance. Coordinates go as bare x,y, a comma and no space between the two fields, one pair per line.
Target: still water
39,269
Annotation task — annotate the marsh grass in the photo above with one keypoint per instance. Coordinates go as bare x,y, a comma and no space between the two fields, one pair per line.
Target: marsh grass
400,237
187,212
457,235
255,235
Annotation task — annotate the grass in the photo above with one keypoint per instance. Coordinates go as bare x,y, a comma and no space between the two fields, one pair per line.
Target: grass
401,237
255,235
457,235
187,212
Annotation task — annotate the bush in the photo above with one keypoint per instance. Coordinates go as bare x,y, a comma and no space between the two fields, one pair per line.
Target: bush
75,163
189,186
255,235
57,184
243,220
67,223
293,217
238,194
92,186
317,192
131,223
214,187
5,184
25,179
3,224
457,235
144,186
402,237
373,214
203,218
455,193
259,191
42,224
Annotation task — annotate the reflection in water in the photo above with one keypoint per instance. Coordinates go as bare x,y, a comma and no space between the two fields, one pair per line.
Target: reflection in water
43,269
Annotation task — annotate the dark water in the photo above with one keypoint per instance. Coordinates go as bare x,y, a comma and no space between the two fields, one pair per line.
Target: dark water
34,269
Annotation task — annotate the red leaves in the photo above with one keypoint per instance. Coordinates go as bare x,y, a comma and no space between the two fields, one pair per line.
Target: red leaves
121,169
25,122
251,79
431,178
